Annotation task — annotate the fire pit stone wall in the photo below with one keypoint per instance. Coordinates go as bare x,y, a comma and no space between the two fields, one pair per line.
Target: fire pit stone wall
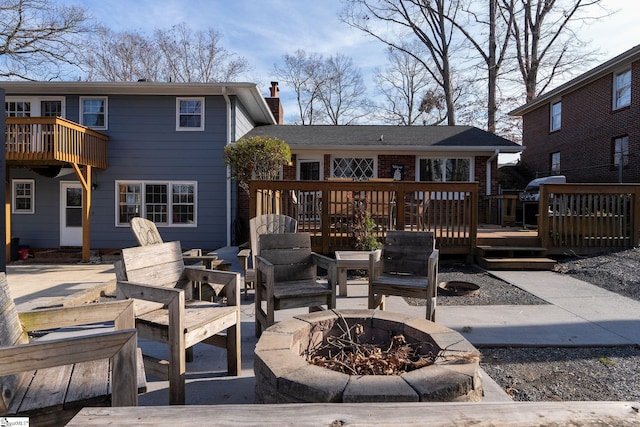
284,376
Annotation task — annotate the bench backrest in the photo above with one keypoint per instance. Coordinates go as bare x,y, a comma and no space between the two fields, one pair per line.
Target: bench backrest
11,333
269,224
145,231
407,252
290,253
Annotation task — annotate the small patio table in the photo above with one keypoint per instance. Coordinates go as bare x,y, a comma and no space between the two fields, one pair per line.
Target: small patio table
350,260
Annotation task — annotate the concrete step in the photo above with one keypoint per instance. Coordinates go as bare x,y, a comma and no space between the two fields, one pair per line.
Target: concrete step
519,263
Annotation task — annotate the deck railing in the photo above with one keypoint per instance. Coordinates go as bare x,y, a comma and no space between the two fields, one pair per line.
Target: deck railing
54,139
589,218
332,210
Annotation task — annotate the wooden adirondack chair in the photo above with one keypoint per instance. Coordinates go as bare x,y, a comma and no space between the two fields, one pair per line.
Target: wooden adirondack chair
50,380
406,266
156,277
287,273
262,224
146,233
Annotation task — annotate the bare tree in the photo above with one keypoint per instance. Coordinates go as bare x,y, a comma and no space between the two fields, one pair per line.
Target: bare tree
126,56
328,90
39,37
197,56
488,31
300,71
545,41
342,91
429,22
176,54
409,96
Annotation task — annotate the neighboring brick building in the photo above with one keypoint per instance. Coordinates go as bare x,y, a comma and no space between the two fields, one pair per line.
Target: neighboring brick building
588,127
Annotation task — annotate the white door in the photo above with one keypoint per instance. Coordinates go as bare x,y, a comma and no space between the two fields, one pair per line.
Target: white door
70,214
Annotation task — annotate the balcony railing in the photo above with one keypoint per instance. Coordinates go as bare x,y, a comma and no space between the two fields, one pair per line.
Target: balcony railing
331,210
53,140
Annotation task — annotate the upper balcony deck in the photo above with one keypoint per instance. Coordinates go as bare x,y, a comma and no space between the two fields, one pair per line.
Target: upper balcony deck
47,141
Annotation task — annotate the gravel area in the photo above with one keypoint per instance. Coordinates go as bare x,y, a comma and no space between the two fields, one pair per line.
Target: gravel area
551,373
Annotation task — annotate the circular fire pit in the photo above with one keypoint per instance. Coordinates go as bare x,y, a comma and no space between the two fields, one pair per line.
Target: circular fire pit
284,376
459,288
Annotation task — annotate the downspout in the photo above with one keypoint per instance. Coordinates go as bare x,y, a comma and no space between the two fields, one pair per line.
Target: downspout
488,183
228,142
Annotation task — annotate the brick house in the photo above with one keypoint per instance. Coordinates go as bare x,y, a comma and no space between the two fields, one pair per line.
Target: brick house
588,128
407,153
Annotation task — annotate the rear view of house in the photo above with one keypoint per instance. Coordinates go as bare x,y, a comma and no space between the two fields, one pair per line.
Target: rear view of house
102,153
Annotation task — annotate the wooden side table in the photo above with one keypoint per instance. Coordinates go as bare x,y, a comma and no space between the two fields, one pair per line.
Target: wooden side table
349,260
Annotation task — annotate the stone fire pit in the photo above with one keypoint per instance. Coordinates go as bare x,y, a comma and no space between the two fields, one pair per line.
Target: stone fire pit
284,376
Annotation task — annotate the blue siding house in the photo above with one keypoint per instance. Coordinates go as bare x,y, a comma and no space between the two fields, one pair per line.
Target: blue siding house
105,152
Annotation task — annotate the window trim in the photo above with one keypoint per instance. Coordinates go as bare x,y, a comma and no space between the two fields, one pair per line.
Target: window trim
616,104
553,126
471,160
626,162
32,196
178,114
170,204
106,111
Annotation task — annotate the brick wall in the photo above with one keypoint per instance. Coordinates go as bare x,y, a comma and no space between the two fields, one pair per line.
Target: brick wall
585,140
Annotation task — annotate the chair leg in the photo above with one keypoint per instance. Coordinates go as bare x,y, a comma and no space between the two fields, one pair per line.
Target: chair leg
188,355
234,359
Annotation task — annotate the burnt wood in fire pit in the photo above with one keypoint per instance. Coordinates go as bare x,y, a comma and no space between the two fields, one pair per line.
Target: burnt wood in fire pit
284,376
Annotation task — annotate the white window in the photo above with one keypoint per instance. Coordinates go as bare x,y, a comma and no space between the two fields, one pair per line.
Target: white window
18,108
445,169
622,89
190,114
165,203
352,167
23,193
621,151
556,116
93,112
555,162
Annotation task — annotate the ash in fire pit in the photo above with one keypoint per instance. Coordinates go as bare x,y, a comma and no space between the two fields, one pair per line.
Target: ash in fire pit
283,374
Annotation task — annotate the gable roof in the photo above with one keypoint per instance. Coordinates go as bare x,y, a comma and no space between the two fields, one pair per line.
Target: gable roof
596,73
388,138
248,93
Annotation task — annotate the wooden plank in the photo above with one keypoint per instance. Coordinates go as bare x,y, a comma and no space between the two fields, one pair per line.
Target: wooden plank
507,414
47,390
89,380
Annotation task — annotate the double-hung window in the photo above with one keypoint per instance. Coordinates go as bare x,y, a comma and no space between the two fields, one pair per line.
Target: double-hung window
165,203
621,151
93,112
23,193
555,121
622,89
190,114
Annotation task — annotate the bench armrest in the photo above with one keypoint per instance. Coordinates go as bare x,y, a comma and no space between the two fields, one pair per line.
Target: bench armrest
120,312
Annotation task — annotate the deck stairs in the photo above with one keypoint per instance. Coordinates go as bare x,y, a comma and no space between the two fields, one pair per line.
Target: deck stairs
505,251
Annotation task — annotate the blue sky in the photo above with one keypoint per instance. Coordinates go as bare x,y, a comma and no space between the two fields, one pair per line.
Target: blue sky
264,30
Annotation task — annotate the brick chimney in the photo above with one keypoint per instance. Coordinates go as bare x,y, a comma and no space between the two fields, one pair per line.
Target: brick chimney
274,103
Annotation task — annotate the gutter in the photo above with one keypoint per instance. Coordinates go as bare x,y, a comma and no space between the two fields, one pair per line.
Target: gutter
228,142
488,174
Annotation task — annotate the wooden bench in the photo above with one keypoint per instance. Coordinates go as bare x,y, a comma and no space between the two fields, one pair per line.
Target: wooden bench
505,414
50,380
156,277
